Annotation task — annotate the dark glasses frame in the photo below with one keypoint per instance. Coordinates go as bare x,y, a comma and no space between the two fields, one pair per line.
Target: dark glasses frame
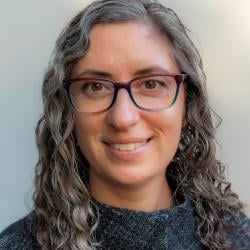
179,78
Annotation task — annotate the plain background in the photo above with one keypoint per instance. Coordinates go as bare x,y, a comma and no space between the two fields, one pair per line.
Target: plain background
28,30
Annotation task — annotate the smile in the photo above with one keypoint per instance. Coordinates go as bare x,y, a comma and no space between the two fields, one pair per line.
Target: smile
129,146
127,149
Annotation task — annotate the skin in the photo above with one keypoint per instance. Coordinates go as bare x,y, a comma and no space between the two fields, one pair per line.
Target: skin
137,182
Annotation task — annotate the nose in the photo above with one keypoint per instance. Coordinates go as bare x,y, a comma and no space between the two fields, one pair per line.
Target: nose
123,114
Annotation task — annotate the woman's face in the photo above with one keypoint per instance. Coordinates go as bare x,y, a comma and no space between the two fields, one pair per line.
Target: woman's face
120,50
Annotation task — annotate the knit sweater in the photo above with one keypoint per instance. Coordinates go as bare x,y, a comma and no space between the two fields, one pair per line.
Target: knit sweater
126,229
172,228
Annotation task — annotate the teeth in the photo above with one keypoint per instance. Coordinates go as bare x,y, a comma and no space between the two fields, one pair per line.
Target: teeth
116,146
128,147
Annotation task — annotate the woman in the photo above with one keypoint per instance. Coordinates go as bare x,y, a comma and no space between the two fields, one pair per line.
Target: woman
126,141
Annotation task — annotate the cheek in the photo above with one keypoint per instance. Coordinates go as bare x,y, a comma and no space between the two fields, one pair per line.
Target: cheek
169,124
172,122
170,129
87,128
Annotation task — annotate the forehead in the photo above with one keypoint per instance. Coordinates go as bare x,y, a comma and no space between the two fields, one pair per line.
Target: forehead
120,47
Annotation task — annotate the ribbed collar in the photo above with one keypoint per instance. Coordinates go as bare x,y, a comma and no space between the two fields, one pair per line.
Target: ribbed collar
170,228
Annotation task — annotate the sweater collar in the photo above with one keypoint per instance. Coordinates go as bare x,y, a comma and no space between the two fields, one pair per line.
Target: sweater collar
184,206
122,228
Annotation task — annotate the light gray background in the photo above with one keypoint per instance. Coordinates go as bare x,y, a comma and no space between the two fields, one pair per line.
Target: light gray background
28,30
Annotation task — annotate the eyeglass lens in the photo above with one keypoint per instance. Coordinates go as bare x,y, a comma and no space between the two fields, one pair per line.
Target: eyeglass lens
93,95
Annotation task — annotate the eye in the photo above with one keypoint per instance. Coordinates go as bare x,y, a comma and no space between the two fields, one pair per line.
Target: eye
156,86
152,84
92,86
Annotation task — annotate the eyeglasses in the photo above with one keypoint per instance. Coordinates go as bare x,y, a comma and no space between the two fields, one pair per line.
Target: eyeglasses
152,92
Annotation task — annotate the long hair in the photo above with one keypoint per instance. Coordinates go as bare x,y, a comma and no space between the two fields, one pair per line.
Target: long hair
66,218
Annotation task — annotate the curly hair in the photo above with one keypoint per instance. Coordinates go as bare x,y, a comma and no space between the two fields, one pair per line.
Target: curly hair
66,217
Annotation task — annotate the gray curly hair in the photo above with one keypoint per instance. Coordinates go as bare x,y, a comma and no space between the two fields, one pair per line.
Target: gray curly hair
66,218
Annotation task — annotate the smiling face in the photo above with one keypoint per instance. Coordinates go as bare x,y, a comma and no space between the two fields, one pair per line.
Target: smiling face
126,145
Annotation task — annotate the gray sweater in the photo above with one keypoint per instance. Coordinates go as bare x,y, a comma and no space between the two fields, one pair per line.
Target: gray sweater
125,229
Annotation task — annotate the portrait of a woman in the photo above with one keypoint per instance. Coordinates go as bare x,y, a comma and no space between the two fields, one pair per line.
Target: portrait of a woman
126,141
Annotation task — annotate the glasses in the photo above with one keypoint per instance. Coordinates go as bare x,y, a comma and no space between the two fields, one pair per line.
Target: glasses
152,92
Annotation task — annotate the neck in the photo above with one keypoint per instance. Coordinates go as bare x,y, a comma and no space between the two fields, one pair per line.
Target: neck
150,196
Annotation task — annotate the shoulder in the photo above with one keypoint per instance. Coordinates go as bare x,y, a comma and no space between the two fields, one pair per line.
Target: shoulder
18,235
237,231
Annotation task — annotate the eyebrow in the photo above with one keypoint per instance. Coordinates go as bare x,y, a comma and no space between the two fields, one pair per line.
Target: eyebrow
99,73
151,69
94,72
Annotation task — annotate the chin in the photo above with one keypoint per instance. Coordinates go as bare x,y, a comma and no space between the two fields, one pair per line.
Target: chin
132,176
